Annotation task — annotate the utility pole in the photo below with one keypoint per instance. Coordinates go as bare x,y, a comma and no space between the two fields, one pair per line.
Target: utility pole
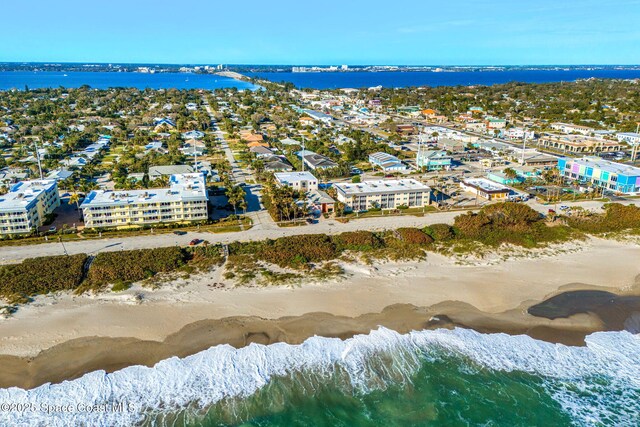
524,145
634,148
195,158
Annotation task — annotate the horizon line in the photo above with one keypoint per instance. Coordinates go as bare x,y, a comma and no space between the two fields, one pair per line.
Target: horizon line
319,65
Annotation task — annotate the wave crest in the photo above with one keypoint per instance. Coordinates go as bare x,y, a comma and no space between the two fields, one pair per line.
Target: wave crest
596,383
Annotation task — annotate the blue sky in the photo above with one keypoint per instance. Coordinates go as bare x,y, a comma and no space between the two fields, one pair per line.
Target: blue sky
323,31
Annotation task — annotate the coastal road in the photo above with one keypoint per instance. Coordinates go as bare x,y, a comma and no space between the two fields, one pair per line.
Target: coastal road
262,229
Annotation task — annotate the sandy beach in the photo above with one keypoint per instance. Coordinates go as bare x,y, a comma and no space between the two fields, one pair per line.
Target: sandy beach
64,336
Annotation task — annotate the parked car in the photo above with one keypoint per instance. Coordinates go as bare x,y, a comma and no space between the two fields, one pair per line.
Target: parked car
194,242
179,233
52,229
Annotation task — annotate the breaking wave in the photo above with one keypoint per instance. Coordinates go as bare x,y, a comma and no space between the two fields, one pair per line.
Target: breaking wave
595,384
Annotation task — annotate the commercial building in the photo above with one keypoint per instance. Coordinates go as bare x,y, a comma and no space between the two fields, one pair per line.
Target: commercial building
24,207
301,181
184,201
385,194
486,189
387,162
579,144
434,160
601,173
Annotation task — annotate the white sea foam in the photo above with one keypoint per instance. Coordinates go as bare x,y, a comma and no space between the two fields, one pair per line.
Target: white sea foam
368,360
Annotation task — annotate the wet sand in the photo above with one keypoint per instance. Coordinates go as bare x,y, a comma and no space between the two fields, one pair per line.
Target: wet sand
559,297
74,358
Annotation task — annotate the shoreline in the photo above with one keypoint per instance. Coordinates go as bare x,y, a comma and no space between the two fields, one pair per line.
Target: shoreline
74,358
63,336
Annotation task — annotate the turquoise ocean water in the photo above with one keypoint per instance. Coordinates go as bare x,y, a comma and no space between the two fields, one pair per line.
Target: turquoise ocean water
440,378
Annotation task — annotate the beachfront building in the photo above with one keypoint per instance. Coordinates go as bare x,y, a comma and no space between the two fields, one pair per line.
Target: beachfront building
387,162
300,181
384,194
485,188
184,201
24,207
601,173
434,160
579,144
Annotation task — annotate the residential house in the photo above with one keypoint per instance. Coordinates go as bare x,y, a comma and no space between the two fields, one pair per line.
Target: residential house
261,152
434,160
277,164
316,161
156,172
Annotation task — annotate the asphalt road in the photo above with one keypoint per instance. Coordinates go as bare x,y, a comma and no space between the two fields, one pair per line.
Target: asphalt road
261,230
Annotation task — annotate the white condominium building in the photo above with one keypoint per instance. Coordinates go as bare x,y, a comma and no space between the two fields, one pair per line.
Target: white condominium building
384,194
26,204
184,201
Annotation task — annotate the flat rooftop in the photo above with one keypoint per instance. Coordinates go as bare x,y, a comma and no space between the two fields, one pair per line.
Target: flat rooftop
486,185
24,193
606,165
294,176
382,186
183,187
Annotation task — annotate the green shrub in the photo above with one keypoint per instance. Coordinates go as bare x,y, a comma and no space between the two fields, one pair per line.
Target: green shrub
120,285
616,217
357,241
414,236
201,257
440,232
297,251
41,275
135,265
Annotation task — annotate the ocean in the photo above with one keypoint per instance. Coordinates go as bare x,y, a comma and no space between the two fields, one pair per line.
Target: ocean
330,80
105,80
437,378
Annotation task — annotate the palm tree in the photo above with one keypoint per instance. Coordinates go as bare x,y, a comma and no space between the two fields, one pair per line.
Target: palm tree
510,173
75,198
436,193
